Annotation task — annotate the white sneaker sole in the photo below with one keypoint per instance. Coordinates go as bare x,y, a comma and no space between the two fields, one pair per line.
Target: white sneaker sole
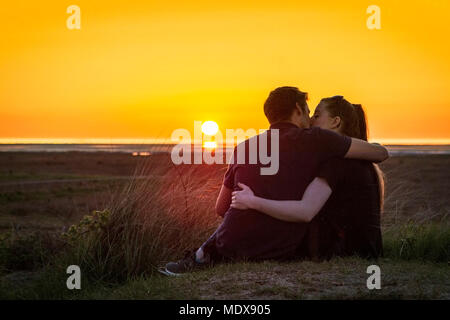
168,273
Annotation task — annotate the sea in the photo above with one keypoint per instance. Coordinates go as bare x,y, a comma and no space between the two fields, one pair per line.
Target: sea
149,149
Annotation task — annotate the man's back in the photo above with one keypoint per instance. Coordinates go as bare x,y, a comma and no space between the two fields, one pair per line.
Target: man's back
251,234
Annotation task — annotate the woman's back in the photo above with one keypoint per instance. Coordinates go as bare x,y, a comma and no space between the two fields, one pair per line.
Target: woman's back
349,222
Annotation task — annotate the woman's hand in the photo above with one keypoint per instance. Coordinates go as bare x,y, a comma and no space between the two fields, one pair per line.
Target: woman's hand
243,199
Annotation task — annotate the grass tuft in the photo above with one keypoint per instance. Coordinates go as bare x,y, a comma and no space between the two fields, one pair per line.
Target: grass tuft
424,242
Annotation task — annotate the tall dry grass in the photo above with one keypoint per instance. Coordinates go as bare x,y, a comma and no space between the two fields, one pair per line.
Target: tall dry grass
155,218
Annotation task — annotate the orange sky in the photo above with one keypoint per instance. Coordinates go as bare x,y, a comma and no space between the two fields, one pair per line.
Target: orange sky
140,69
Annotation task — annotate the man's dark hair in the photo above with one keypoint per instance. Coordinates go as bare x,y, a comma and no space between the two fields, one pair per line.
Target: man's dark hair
281,103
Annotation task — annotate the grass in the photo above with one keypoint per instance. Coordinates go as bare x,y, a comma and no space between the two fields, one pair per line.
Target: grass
343,278
20,196
423,242
7,177
152,221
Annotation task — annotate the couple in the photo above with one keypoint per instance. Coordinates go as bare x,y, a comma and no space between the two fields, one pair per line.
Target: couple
325,199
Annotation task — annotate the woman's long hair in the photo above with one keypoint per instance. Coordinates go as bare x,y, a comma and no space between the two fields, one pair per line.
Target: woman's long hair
354,124
362,122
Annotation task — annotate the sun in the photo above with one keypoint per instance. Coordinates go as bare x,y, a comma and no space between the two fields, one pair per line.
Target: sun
210,128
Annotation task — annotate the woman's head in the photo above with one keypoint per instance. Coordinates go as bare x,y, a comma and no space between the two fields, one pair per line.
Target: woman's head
339,115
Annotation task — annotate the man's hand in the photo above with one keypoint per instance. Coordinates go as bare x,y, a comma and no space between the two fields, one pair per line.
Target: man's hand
242,199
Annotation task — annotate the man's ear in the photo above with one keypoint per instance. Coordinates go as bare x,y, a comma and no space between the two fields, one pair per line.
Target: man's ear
299,109
336,122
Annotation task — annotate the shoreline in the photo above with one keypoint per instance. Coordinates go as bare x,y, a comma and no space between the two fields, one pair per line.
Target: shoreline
394,151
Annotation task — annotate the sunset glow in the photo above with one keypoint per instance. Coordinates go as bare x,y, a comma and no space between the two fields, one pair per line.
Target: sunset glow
138,70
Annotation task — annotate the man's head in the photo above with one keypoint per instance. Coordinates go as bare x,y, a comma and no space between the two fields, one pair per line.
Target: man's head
287,104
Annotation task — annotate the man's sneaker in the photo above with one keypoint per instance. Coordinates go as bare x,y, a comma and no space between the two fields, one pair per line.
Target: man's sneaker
187,264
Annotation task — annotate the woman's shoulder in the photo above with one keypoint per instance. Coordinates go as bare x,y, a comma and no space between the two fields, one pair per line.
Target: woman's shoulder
360,170
349,164
356,163
351,169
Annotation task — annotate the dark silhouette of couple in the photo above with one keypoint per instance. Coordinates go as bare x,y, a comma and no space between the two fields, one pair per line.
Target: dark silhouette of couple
325,200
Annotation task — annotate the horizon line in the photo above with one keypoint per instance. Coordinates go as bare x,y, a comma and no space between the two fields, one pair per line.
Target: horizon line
168,141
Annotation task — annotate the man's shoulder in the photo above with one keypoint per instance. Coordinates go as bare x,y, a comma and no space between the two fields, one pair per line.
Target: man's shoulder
301,133
286,132
289,140
300,137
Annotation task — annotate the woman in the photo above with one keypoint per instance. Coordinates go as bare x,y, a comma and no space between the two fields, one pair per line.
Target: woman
348,193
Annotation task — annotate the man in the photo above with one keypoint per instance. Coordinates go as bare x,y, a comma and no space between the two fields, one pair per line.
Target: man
249,234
